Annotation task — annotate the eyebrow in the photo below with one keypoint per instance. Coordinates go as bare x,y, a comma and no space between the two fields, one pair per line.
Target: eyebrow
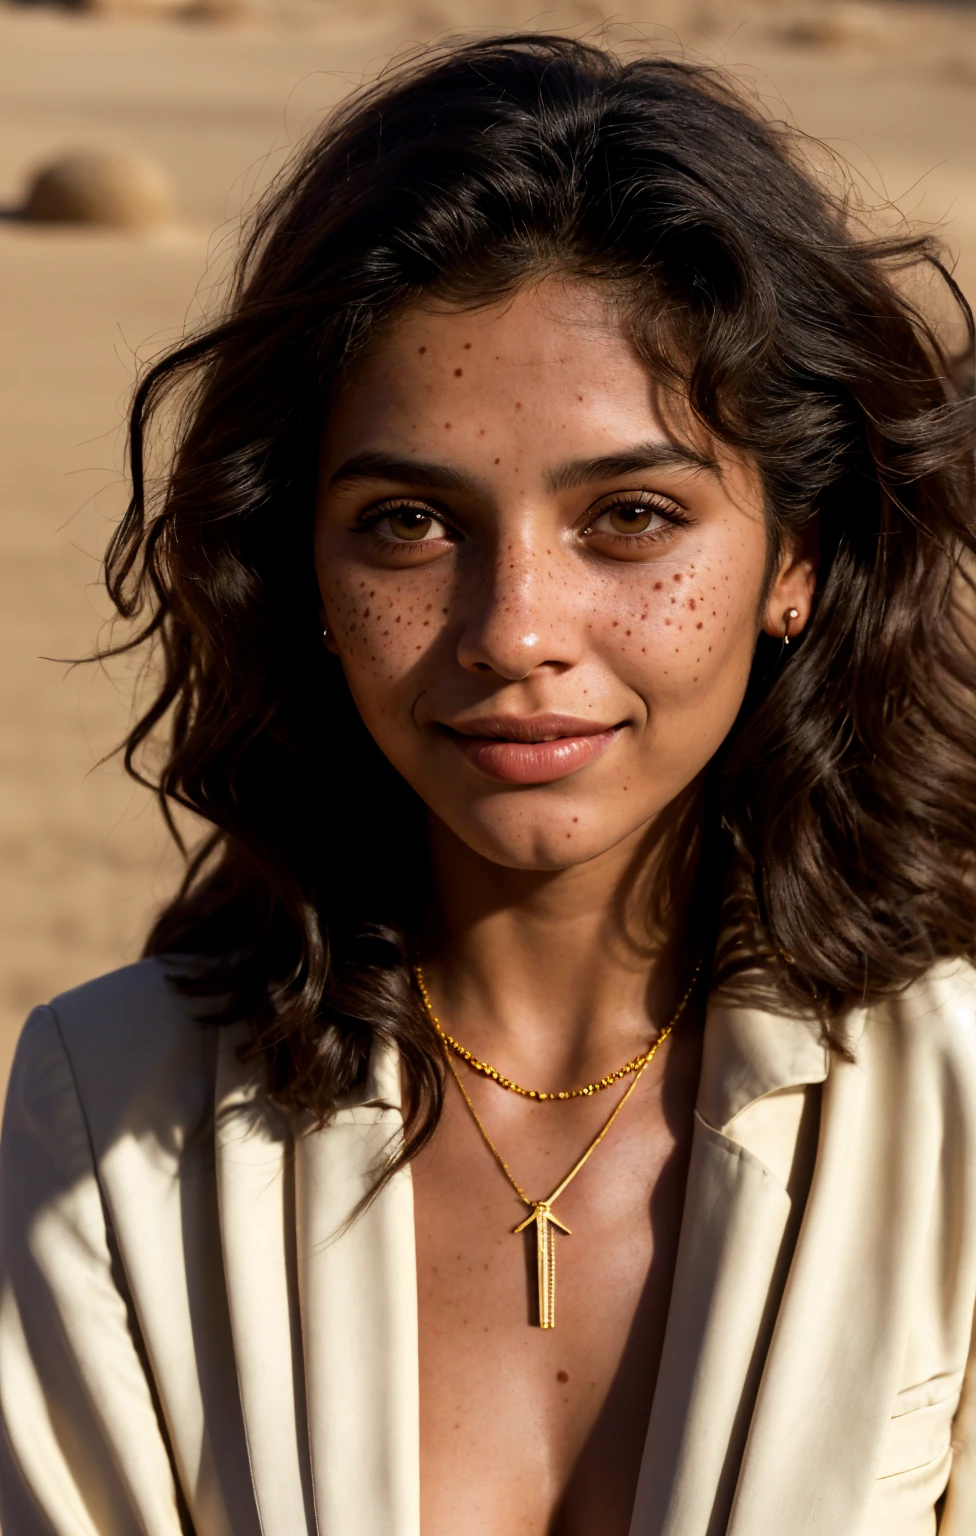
375,465
653,455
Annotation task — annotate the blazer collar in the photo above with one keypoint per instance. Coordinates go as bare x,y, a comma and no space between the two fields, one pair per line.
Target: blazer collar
749,1053
380,1088
738,1230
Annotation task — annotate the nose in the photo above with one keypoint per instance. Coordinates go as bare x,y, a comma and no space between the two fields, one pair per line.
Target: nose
521,613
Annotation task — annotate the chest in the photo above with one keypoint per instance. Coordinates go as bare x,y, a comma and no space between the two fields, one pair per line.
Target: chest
524,1429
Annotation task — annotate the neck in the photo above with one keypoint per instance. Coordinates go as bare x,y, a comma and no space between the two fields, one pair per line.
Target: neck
558,973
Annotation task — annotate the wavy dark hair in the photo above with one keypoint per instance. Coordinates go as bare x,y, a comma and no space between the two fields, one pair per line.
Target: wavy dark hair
838,815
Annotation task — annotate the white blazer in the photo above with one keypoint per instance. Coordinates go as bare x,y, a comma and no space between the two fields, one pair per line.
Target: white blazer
186,1346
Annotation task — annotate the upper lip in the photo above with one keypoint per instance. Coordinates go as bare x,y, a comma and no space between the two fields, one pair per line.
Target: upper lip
529,728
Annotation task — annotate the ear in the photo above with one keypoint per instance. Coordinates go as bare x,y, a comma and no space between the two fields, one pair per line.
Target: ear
328,639
793,587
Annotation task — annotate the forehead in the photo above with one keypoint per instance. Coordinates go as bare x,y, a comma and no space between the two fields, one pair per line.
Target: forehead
552,356
538,323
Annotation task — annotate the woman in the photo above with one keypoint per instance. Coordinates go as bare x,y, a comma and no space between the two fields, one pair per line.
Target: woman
561,590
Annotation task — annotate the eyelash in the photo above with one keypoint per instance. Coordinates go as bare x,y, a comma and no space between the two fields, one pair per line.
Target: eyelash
368,521
650,501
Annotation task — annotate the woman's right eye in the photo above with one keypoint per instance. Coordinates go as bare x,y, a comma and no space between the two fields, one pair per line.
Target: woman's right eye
410,525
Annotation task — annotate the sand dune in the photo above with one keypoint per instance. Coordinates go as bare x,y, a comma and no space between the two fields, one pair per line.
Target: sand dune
217,104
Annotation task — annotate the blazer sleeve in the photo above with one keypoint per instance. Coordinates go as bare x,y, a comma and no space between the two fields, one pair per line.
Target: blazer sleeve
82,1451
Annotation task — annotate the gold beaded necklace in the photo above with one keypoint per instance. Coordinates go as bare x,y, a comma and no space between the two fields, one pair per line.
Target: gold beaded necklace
540,1211
636,1064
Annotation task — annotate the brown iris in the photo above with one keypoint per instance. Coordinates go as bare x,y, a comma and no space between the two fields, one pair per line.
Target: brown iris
631,519
409,524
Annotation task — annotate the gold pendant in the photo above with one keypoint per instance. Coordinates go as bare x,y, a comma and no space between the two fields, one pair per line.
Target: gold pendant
545,1253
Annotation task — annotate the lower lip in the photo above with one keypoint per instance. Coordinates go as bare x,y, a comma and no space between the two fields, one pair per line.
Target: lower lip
533,762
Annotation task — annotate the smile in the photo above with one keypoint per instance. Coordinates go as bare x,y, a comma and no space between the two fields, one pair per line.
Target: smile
531,749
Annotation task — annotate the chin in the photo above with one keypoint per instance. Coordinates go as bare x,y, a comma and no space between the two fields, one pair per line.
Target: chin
534,843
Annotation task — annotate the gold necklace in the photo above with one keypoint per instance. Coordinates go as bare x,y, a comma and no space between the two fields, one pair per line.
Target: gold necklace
636,1064
540,1211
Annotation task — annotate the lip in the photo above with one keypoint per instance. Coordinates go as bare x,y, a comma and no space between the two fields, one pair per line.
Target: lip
531,749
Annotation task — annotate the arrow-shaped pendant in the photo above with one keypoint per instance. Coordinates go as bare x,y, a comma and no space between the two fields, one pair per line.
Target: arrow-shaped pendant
545,1249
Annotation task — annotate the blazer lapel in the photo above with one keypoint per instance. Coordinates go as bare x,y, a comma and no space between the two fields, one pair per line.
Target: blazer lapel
834,1370
358,1288
733,1256
324,1317
256,1193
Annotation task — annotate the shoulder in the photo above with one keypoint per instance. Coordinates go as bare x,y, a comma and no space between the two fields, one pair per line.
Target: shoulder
912,1062
147,989
933,1018
129,1047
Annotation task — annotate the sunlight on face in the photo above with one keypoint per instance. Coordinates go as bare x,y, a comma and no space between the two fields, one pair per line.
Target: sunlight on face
546,608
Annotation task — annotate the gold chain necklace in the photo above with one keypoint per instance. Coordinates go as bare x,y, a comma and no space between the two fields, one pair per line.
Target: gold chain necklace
540,1211
636,1064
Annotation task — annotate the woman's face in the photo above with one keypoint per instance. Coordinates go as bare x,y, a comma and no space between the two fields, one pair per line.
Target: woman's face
545,606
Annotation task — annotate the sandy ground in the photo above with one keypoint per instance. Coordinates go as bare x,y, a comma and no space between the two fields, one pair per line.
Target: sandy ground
83,857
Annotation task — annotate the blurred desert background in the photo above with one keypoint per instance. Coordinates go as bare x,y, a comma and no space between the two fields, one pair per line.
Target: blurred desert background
215,93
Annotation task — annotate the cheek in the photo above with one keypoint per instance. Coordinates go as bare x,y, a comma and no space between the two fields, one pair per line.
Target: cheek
687,629
383,622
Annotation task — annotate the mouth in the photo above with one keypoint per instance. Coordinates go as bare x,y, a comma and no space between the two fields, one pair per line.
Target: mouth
531,749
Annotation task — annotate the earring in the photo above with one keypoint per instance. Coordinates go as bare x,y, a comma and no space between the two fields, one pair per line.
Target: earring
325,635
788,617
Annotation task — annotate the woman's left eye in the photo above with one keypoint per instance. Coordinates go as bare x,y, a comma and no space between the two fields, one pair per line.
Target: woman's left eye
633,517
